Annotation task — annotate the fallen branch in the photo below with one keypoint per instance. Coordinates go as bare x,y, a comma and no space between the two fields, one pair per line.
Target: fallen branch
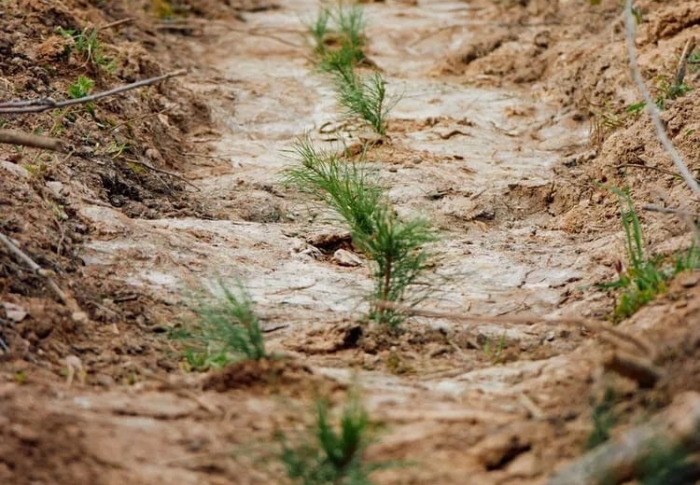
670,210
651,106
638,369
39,105
644,348
116,23
13,137
647,167
620,460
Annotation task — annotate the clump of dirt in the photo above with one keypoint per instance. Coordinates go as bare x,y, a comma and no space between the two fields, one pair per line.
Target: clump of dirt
264,373
576,56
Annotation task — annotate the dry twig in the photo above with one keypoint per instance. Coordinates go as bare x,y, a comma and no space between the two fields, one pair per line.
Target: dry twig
670,210
13,137
44,104
638,369
644,348
683,62
116,23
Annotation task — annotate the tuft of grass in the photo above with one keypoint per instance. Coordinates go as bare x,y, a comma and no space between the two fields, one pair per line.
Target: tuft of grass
645,277
493,349
81,88
668,464
395,246
228,331
328,453
88,46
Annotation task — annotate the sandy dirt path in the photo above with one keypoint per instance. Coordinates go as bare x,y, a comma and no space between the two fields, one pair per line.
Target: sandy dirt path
475,161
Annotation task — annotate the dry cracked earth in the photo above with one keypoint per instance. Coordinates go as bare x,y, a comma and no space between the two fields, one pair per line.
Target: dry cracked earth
511,119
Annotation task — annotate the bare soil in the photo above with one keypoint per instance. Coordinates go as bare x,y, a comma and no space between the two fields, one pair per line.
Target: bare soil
513,117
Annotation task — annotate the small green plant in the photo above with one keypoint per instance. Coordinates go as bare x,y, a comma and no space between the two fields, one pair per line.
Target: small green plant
694,61
365,97
670,90
493,349
328,454
339,37
604,418
319,30
351,24
88,46
636,108
396,246
116,150
645,277
668,464
81,87
228,331
339,41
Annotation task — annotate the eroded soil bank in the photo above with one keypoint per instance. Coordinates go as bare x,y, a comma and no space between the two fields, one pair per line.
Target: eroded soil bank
512,117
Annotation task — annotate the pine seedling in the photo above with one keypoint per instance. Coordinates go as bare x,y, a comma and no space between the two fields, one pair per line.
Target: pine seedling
228,331
319,30
345,186
328,454
351,25
395,246
365,98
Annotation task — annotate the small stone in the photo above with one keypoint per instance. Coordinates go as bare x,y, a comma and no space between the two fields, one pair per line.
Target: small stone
550,335
14,312
24,433
56,189
104,380
15,169
689,281
525,465
343,257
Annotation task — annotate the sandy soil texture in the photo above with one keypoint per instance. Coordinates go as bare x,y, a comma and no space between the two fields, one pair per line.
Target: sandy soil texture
513,117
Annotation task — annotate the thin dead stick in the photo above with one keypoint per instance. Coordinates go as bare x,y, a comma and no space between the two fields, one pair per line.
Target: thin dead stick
532,408
13,137
670,210
647,167
590,325
39,105
116,23
19,254
165,172
683,62
651,106
638,369
189,24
